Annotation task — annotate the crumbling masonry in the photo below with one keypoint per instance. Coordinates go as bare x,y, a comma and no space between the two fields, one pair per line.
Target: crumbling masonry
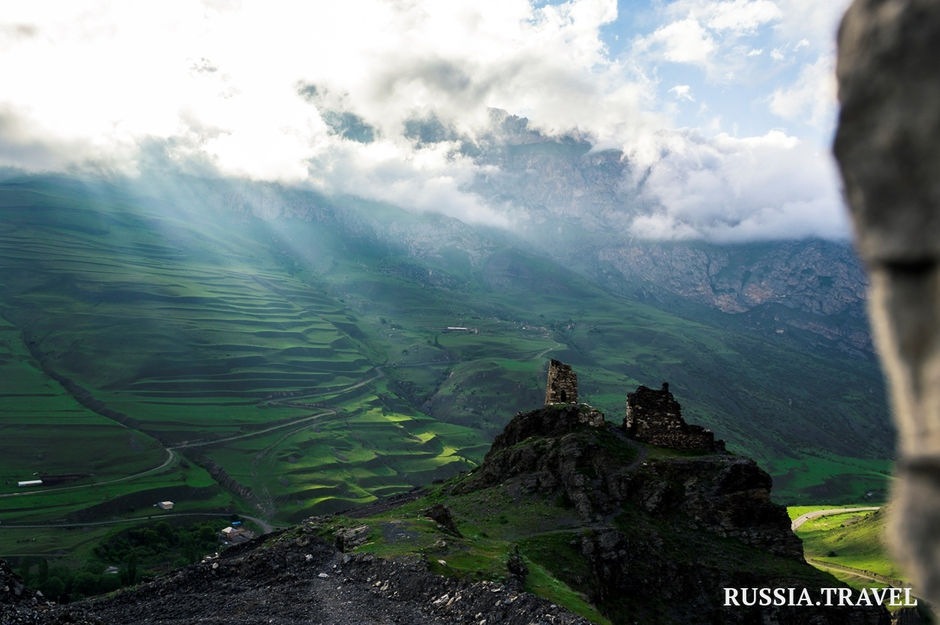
562,386
655,417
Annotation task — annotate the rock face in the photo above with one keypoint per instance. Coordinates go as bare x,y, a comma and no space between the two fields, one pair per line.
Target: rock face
679,528
562,386
581,201
888,147
440,514
347,539
552,421
655,417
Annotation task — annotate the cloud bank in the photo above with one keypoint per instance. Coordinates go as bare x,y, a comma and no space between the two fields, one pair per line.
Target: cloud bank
322,94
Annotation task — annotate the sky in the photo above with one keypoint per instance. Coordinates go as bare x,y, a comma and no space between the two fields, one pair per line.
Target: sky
725,109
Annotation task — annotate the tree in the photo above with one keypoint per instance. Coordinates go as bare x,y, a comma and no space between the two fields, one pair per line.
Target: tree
129,574
53,588
43,571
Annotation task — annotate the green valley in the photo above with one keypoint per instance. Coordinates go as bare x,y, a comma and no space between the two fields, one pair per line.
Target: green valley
169,344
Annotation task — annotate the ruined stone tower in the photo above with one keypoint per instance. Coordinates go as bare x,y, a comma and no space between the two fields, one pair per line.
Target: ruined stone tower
562,386
655,417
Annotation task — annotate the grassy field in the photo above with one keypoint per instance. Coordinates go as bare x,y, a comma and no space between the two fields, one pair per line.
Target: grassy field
44,430
854,540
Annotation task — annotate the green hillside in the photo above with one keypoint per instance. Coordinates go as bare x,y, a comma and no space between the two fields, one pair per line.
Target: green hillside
852,546
302,365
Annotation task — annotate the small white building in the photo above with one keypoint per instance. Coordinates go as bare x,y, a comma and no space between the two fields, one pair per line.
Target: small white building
165,505
235,535
29,483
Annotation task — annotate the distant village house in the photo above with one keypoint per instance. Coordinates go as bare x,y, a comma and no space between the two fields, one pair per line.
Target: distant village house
238,534
451,329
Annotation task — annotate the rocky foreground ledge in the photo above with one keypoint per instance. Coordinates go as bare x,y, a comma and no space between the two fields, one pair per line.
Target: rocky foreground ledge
292,578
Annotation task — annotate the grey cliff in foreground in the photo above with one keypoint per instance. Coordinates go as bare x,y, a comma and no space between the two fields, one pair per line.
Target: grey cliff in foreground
888,147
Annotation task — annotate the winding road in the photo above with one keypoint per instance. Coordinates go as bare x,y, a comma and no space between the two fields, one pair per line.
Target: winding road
870,575
173,457
815,514
265,526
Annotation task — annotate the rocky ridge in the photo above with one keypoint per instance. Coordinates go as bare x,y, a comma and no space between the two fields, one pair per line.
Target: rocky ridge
684,524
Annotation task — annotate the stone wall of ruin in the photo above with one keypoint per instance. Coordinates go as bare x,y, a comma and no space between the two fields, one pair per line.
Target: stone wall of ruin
562,385
655,417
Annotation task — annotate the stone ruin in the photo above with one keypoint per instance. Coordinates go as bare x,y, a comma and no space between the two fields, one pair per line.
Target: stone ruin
562,386
655,417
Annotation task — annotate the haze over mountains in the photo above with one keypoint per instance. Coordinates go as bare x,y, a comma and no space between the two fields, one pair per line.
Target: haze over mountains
186,302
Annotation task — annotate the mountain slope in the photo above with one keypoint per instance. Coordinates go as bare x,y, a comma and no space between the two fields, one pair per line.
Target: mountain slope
302,360
579,203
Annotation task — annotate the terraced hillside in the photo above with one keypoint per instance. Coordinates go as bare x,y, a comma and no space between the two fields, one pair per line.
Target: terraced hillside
191,334
302,363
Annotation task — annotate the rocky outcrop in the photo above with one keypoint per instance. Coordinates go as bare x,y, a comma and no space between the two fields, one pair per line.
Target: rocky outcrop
440,514
888,147
812,285
685,526
348,538
550,421
601,472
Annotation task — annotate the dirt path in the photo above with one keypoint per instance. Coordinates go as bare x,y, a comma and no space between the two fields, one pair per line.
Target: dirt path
238,437
875,577
171,459
641,450
815,514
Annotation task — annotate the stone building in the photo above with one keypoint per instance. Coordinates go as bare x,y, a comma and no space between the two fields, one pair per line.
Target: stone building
655,417
562,385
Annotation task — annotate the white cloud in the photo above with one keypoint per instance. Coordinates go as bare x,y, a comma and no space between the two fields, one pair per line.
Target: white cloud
254,89
218,82
684,41
731,189
682,92
812,98
812,20
740,16
715,35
